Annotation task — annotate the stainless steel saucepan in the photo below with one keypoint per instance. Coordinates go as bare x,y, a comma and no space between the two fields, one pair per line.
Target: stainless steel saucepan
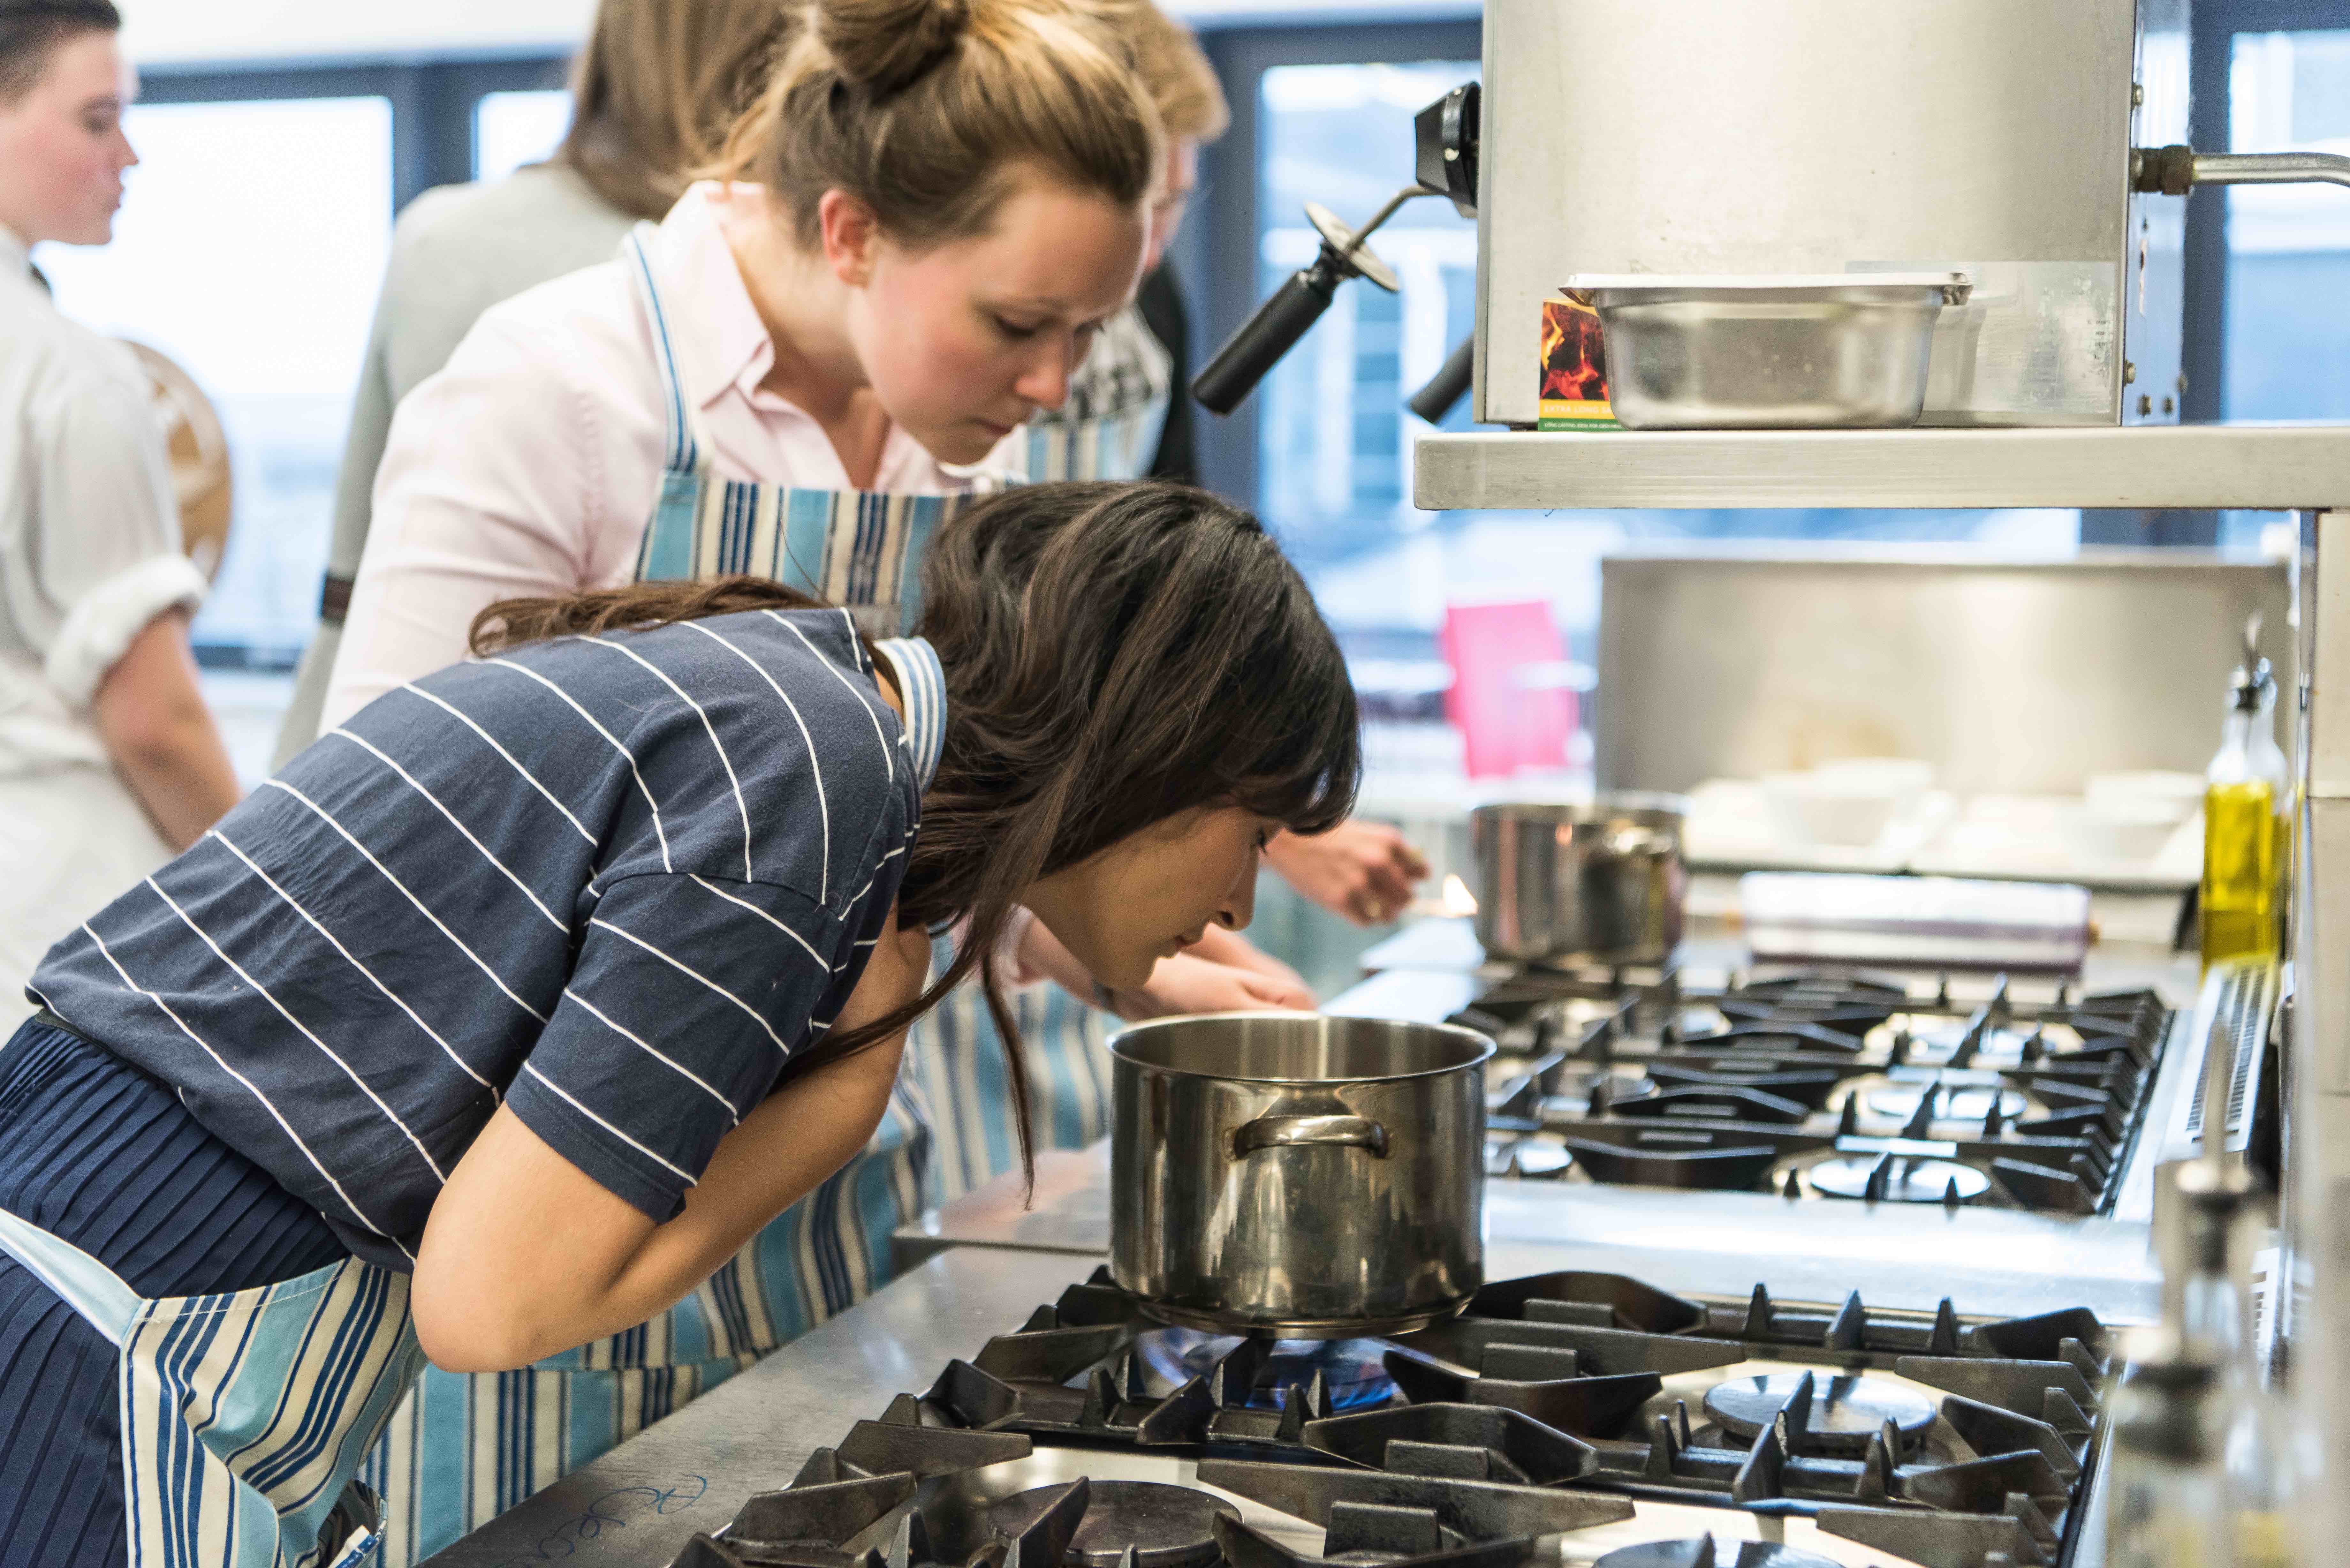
1596,879
1298,1176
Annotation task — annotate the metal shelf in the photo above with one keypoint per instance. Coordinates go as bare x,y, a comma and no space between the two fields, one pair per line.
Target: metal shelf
2273,467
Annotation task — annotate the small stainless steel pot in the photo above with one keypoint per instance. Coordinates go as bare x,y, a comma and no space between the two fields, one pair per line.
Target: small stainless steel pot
1597,880
1298,1176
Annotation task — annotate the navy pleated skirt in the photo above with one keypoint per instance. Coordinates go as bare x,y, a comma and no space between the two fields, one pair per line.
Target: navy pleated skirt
96,1152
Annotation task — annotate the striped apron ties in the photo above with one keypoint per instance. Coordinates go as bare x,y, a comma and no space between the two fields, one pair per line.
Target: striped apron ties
244,1415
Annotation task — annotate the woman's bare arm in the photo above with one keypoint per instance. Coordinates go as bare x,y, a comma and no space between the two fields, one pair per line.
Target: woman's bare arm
525,1254
151,714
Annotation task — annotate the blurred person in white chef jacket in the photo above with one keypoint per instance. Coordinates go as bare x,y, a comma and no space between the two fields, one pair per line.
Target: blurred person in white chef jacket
654,94
109,763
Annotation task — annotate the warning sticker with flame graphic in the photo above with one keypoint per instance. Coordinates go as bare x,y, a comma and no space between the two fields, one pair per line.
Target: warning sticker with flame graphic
1574,369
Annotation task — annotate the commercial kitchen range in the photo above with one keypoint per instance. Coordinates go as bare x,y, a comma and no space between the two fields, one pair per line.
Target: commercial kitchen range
1866,1335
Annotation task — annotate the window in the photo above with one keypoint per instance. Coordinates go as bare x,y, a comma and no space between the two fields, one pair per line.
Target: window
248,249
512,128
2288,341
1334,437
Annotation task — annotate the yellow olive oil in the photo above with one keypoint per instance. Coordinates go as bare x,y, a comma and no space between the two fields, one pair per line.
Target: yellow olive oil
2242,870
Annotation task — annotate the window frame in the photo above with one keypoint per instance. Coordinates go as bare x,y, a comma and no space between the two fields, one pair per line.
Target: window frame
2217,22
433,102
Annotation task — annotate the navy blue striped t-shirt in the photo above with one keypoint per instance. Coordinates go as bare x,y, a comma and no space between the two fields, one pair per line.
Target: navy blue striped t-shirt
613,882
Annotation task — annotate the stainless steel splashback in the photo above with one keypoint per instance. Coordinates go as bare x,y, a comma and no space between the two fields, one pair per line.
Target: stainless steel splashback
1808,136
2012,675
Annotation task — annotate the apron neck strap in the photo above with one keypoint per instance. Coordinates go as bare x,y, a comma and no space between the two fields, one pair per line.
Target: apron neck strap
681,452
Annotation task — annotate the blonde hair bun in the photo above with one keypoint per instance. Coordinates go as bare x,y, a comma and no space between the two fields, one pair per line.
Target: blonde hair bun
886,45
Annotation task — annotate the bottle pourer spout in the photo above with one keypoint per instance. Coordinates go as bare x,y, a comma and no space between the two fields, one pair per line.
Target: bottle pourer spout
2253,680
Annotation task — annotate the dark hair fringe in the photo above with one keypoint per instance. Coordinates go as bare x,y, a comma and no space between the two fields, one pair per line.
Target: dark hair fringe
29,28
1116,656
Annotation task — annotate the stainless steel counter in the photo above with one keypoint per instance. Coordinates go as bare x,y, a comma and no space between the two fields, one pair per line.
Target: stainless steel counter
643,1501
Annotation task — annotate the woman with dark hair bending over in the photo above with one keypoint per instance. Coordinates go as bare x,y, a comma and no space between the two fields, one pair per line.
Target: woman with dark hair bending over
509,1011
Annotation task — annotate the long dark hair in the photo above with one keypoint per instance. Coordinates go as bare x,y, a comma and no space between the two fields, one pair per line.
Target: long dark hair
1115,655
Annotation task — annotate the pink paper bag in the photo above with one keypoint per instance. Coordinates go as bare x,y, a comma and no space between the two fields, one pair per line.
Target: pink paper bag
1510,716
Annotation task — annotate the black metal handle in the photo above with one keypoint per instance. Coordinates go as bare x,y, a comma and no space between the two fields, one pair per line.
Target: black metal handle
1435,400
1265,337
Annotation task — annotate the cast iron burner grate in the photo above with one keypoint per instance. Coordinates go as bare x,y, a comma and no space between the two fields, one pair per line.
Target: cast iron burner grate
1700,1552
1555,1404
1815,1086
1160,1526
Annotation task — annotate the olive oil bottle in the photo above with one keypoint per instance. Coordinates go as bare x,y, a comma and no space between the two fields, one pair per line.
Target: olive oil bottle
2246,810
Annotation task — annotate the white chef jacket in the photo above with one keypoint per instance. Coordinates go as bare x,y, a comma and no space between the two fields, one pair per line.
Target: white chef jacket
89,553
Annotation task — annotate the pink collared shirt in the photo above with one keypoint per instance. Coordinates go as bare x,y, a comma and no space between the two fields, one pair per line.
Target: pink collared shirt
530,463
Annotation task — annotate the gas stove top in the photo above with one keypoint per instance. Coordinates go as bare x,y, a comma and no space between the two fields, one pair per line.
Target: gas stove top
1866,1087
1581,1418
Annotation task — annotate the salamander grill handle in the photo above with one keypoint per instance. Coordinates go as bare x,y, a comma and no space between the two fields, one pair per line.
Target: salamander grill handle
1266,335
1435,400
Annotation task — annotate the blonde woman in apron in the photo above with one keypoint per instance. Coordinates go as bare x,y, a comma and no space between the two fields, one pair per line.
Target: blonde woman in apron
518,1004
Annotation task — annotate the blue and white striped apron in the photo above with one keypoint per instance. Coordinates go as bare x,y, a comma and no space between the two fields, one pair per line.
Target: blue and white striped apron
466,1446
855,548
245,1415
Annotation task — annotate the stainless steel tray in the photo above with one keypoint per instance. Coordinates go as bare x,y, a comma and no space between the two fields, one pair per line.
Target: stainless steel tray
1839,350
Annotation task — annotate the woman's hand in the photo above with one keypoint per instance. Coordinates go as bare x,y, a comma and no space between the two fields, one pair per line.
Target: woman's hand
1220,946
1220,973
525,1254
1363,870
1188,983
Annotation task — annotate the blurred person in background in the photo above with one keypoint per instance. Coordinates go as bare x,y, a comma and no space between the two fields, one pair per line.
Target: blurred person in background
653,96
109,763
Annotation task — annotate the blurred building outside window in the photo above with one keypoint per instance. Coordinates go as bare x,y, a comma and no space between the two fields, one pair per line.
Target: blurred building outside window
249,249
2288,331
513,129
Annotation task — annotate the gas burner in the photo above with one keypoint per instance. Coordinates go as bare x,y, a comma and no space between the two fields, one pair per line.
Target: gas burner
1164,1526
1699,1552
1892,1179
1532,1157
1847,1411
1557,1403
1352,1370
1952,1102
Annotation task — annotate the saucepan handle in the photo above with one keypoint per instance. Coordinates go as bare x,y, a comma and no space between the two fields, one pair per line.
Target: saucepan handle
1297,1132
